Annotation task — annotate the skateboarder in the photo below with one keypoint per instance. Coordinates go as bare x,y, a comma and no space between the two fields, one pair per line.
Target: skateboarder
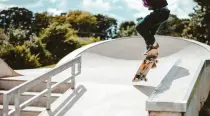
147,29
148,26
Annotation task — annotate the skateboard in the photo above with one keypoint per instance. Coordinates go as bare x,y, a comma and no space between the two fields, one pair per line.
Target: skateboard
148,63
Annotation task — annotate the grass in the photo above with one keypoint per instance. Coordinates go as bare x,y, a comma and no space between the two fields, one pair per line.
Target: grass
49,66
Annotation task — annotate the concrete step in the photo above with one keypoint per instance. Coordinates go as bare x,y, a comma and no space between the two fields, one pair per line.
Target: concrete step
41,102
28,111
7,84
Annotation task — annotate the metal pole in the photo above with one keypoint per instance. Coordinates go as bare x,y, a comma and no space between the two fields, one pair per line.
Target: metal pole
73,78
5,105
17,104
49,94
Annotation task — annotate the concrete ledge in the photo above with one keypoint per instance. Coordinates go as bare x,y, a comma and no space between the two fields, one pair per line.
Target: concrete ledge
188,102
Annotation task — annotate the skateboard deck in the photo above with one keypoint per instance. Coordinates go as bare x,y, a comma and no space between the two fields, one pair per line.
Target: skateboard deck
147,64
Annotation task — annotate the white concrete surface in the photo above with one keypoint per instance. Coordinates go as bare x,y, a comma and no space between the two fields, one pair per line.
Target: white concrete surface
108,68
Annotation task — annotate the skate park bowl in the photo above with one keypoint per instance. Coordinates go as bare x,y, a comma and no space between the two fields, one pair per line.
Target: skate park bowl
179,85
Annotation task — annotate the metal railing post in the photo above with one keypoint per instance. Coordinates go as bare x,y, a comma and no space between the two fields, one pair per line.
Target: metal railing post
73,76
16,92
80,67
17,104
48,105
5,105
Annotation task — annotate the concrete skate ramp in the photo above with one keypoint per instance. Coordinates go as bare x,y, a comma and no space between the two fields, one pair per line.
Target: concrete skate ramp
6,70
132,48
108,68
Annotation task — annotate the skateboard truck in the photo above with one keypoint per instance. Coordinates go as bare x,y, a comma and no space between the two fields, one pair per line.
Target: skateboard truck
140,77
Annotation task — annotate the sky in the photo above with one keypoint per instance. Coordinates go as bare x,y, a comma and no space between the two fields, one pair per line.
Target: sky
122,10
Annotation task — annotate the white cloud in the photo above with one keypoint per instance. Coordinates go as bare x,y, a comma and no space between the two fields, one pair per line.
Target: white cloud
96,5
179,7
3,0
6,6
53,1
54,11
134,4
37,4
118,17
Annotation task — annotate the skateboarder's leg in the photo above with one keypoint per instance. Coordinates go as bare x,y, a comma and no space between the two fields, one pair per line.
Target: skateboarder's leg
143,29
149,25
155,28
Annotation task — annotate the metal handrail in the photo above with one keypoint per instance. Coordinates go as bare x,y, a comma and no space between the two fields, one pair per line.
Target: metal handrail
24,87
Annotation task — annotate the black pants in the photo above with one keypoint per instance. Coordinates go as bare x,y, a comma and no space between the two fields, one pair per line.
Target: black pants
151,23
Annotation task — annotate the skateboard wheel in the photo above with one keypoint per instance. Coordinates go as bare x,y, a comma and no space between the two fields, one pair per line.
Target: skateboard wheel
154,66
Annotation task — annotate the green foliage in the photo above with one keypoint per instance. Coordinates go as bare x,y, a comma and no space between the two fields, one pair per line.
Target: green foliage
199,26
129,31
4,39
127,28
4,42
83,22
173,26
57,35
58,40
59,19
103,23
126,24
42,21
17,17
20,57
17,36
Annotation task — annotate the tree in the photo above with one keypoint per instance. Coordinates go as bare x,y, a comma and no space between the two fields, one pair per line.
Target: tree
82,22
199,26
17,18
126,24
173,26
127,28
42,21
60,19
18,36
103,23
129,31
4,42
58,39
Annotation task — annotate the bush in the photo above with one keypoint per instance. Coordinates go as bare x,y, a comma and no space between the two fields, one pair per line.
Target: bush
18,36
58,39
4,42
20,57
23,51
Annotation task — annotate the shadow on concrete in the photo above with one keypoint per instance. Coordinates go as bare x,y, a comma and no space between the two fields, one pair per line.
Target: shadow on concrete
175,73
69,102
147,90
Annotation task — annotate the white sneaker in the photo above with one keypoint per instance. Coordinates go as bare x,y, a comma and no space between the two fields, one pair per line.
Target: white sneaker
154,46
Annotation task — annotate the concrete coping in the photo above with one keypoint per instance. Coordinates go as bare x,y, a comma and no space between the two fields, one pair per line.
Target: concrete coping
158,102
